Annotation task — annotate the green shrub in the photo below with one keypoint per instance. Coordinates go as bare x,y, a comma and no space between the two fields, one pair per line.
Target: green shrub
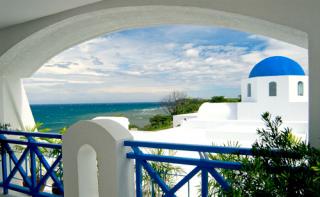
159,122
188,105
217,99
5,126
222,99
133,126
292,170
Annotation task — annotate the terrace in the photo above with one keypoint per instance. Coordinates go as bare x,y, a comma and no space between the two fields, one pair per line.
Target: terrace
107,161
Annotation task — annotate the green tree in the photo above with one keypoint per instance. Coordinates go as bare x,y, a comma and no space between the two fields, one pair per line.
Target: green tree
159,122
171,102
281,165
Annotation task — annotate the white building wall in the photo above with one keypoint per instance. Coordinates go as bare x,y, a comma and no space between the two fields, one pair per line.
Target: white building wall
14,105
288,111
179,119
244,90
218,111
293,89
287,90
263,89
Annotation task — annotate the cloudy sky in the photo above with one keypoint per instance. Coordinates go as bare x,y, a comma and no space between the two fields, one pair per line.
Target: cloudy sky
146,64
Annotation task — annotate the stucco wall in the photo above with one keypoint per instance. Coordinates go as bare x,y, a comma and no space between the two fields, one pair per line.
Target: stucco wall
297,111
293,89
179,119
286,89
218,111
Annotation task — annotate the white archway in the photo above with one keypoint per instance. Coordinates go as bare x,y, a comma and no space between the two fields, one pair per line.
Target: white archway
27,46
88,171
31,53
97,142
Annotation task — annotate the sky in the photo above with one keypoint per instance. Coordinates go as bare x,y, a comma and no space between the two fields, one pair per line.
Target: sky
146,64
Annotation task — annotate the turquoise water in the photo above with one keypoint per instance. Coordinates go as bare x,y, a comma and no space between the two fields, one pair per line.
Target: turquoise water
56,116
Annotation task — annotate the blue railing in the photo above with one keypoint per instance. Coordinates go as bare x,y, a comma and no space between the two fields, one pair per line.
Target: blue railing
202,165
35,148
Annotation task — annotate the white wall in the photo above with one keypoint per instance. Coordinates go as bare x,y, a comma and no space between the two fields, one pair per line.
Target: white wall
179,119
254,89
14,105
293,89
218,111
288,111
98,144
286,89
263,89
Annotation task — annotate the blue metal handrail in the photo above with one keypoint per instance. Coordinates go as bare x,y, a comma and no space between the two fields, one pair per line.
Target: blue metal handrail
31,142
203,165
190,147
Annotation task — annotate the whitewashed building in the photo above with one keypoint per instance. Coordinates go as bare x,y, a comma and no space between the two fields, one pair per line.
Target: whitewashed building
31,32
276,84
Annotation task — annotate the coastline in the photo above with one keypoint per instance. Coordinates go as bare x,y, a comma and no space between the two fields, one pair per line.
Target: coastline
57,116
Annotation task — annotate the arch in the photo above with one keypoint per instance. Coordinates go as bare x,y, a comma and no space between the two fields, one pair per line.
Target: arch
91,160
249,90
32,52
273,88
88,171
300,87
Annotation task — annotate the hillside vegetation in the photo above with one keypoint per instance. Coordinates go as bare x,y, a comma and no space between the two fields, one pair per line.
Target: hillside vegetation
179,103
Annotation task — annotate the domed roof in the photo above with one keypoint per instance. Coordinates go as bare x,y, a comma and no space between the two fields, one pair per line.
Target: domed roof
276,66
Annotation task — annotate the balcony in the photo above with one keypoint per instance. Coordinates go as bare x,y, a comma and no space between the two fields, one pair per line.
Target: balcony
100,157
107,160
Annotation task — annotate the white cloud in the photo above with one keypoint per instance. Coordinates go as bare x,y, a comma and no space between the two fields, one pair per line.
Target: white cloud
278,48
192,53
119,65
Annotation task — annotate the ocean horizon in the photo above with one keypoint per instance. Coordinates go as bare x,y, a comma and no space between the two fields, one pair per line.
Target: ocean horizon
57,116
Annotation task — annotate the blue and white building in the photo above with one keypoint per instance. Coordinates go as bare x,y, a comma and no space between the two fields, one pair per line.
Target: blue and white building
276,84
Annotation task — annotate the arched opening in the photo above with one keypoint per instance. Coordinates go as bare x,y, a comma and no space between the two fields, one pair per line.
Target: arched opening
249,90
300,88
48,41
27,50
182,59
53,36
272,88
88,171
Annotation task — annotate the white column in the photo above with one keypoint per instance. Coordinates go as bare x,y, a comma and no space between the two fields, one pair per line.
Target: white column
314,89
14,104
94,160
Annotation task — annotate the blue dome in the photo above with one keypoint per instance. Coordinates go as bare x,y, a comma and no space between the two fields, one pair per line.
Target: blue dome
276,66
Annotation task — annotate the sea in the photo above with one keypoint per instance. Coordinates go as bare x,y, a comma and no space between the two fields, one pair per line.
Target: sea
57,116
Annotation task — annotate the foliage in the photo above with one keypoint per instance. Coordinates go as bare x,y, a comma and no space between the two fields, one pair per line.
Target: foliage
53,153
159,122
170,102
179,103
188,105
5,126
288,173
282,165
222,99
167,171
133,126
214,188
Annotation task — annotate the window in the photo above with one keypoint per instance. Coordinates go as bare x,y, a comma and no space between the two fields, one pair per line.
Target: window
249,90
273,89
300,88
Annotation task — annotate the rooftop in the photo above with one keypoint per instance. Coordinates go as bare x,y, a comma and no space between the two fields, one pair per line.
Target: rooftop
276,66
